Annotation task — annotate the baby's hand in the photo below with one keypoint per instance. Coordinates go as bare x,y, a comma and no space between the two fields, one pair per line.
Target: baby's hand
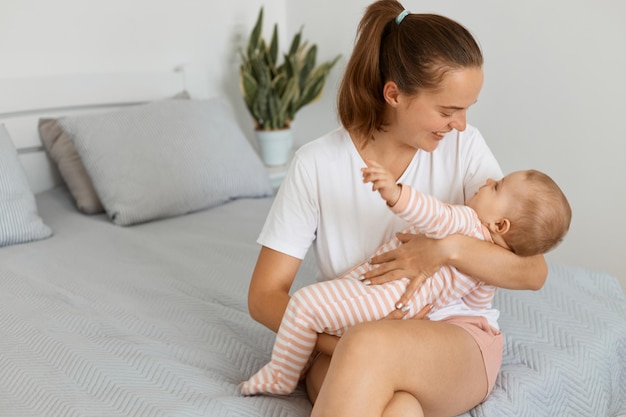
382,181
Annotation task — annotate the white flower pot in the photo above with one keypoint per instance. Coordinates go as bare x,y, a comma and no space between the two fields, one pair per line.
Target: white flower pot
275,146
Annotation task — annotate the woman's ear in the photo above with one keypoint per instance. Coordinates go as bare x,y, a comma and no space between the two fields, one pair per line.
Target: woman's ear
500,227
391,93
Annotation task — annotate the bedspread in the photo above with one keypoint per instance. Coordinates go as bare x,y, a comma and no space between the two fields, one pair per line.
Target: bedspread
565,348
152,320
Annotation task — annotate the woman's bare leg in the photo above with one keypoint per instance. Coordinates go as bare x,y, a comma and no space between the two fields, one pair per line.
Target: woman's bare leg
402,403
315,376
439,364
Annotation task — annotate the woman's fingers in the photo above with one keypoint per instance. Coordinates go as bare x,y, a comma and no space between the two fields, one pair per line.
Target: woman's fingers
384,257
410,261
405,237
396,314
382,274
424,312
411,289
399,313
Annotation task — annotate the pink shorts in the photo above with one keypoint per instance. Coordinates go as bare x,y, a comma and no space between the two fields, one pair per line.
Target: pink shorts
489,340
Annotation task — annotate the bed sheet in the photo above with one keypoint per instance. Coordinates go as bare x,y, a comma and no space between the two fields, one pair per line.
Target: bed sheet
149,320
152,320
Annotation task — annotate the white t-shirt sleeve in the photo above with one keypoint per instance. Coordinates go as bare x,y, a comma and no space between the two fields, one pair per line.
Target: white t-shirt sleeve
294,214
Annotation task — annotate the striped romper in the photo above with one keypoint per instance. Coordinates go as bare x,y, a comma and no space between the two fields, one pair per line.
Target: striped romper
333,306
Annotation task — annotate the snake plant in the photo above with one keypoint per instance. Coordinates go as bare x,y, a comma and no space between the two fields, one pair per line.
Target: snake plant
274,92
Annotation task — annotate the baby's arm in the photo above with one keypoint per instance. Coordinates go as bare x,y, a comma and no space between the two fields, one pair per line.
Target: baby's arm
430,216
425,213
382,181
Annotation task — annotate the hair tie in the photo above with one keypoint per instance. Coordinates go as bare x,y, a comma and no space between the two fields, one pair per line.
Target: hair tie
401,16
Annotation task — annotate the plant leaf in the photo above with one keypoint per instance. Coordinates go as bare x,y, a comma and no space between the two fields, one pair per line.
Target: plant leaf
273,51
295,43
255,36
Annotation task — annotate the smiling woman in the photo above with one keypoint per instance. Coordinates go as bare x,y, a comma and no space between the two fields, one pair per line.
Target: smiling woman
392,114
429,115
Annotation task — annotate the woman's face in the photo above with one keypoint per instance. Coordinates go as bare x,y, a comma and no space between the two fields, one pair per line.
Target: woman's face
422,121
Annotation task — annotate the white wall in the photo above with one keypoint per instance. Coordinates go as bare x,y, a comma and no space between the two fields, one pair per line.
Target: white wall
554,96
40,37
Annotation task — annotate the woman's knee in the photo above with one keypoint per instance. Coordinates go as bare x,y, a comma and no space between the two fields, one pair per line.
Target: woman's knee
363,340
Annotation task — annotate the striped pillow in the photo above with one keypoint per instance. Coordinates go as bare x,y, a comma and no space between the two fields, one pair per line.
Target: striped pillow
19,218
166,158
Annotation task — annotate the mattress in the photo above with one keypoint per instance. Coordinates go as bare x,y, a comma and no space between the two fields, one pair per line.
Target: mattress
152,320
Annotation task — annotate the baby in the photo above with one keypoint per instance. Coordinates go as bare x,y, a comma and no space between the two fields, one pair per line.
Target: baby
525,212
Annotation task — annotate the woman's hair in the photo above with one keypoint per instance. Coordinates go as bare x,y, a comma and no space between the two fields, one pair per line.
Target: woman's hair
415,53
541,216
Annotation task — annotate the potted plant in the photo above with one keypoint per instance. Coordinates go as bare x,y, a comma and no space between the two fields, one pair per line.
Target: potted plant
274,92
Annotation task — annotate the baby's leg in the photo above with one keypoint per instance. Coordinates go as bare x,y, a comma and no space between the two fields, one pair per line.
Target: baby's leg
326,307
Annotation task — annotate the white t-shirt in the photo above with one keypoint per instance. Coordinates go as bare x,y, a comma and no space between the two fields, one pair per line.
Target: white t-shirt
323,201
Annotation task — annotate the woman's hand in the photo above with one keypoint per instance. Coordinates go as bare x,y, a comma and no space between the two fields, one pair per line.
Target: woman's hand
398,313
326,343
418,258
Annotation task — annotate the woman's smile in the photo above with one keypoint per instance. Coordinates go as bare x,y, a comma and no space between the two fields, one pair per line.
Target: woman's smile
440,135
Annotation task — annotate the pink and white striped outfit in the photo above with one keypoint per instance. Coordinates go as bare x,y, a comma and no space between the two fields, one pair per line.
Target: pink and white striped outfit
333,306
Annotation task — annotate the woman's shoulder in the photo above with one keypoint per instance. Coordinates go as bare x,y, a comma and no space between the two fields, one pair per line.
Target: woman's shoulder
331,145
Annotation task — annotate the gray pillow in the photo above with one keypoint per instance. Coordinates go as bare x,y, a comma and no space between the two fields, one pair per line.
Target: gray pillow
166,158
62,151
19,218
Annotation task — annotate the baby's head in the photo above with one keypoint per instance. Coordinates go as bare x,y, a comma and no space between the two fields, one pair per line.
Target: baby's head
526,209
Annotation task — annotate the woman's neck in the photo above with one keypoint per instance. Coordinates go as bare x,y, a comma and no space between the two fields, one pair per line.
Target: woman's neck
391,154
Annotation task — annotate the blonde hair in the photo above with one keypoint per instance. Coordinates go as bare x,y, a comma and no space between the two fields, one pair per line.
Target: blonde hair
541,218
416,54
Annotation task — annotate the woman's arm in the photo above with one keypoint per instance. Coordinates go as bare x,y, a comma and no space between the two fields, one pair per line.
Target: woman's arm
271,281
419,257
268,294
493,264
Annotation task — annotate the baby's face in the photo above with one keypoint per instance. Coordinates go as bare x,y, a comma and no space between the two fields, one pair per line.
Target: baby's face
493,199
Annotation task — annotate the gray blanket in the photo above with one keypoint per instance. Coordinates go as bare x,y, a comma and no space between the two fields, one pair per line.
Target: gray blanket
152,320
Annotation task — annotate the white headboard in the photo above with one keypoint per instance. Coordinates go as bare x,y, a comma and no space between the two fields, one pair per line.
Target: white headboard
24,100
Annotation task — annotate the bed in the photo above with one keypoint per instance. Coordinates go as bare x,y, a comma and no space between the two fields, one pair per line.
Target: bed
137,306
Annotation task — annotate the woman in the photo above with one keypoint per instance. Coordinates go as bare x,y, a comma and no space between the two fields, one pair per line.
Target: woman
402,102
